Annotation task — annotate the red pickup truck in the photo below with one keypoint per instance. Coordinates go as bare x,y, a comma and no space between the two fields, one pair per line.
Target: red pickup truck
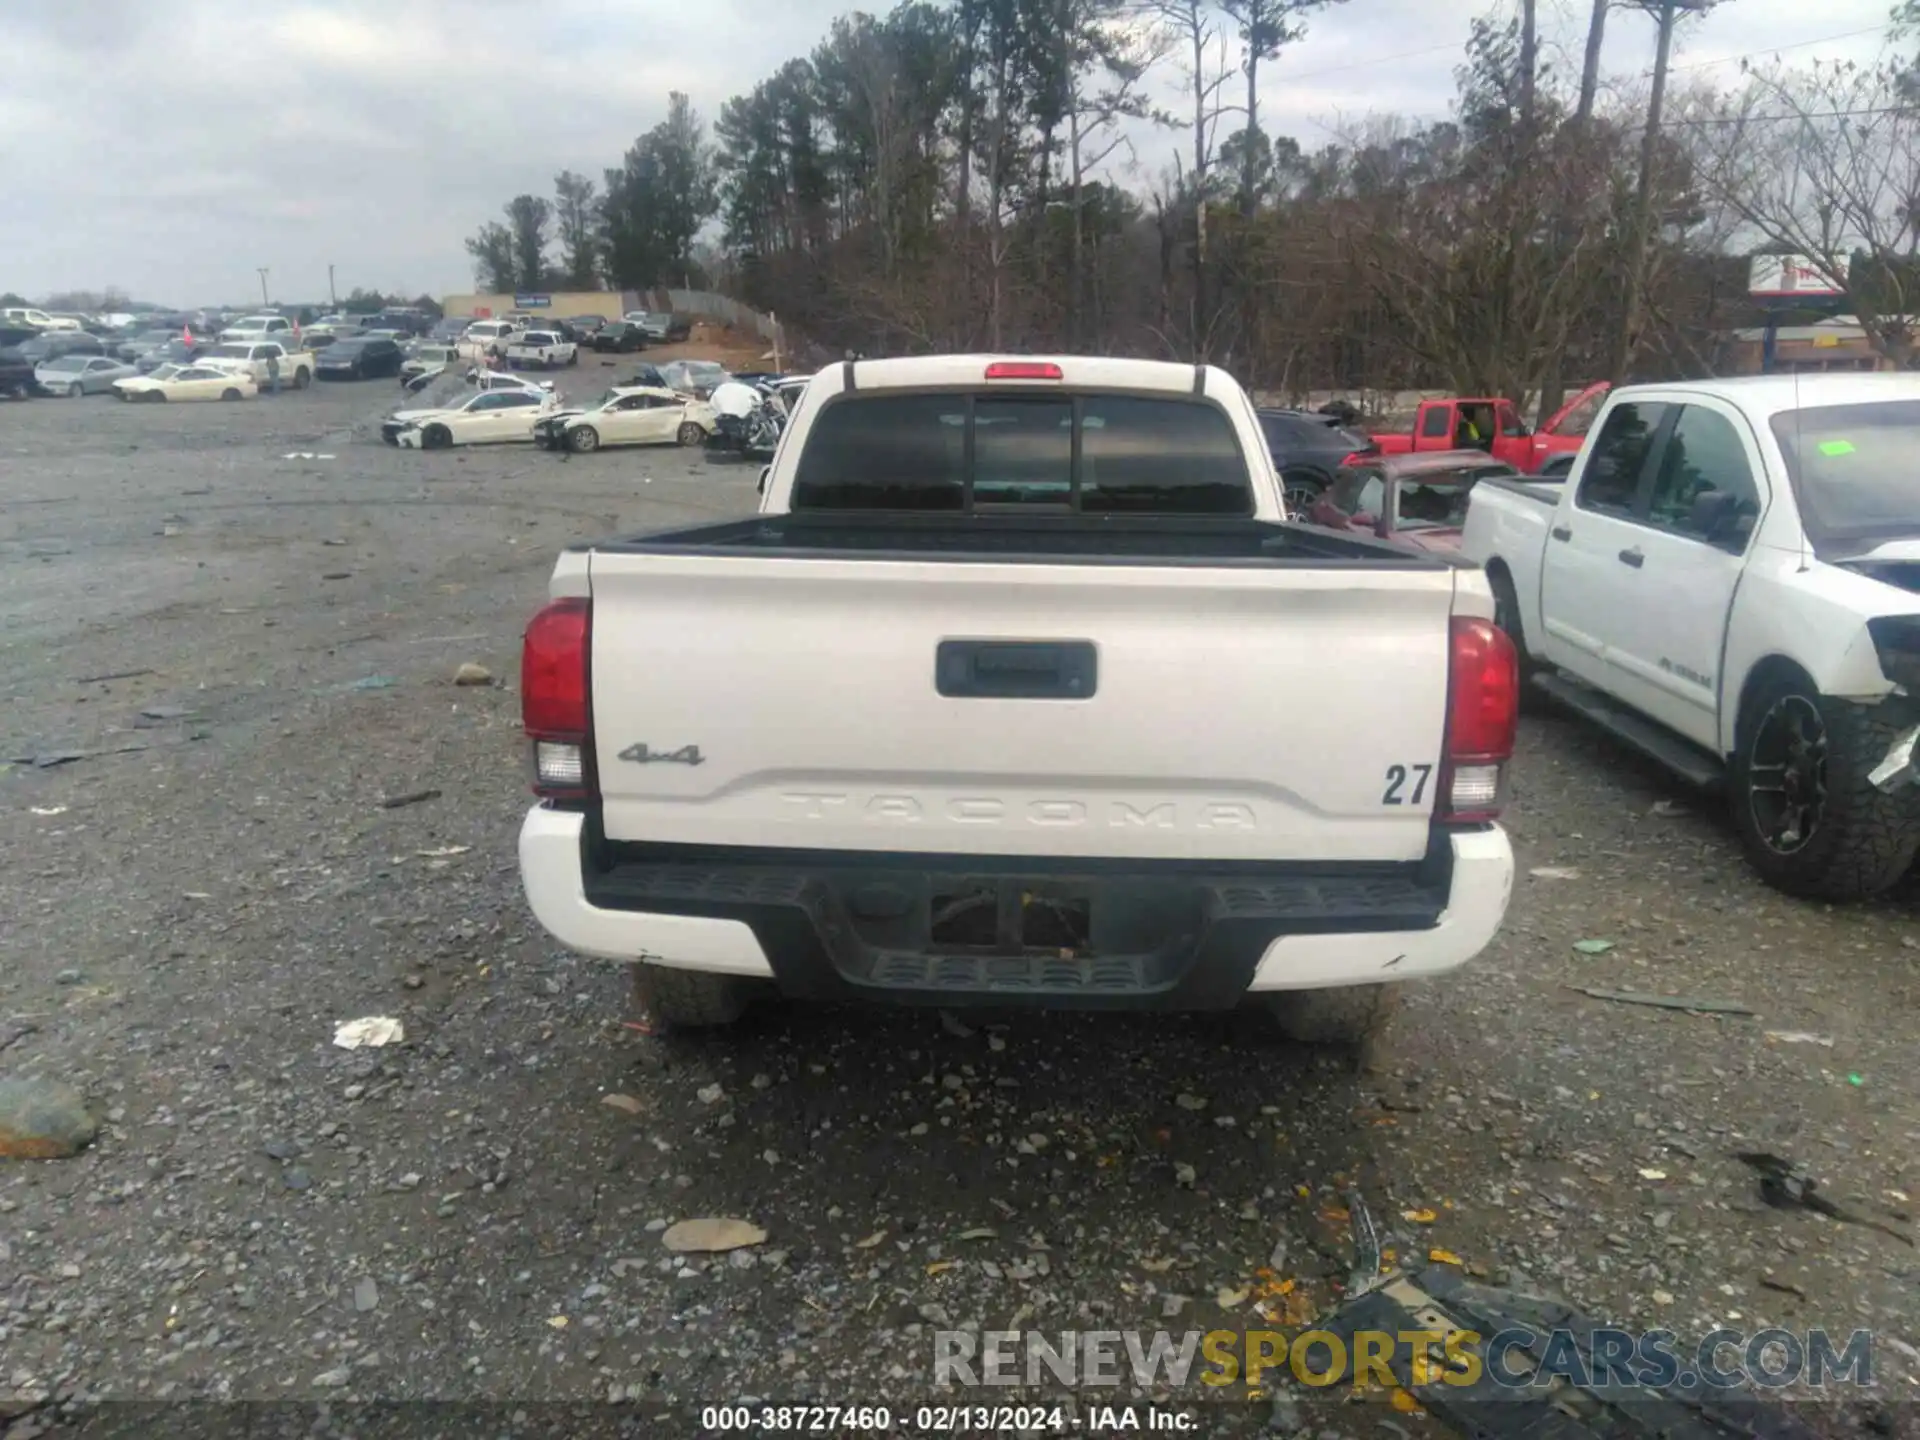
1495,427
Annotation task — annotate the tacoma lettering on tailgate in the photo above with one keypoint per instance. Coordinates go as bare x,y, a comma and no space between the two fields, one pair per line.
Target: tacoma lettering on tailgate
1059,814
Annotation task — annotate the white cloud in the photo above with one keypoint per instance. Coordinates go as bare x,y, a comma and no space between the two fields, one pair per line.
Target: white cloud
172,148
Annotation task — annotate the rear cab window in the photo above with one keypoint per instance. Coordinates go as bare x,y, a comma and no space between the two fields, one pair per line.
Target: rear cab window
1090,453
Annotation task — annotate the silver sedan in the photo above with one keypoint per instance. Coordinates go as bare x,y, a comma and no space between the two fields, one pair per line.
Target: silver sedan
78,375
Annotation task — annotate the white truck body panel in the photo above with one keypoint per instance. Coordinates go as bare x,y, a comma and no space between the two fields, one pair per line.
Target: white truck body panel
1237,714
1678,636
254,361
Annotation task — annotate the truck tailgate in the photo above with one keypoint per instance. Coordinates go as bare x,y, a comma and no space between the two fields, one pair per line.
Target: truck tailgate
1206,713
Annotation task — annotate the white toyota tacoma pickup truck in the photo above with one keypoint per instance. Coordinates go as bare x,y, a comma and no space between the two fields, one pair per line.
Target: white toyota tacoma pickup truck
1020,689
1729,581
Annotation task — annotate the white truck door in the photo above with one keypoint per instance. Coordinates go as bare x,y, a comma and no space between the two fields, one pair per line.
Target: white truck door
1673,612
1587,566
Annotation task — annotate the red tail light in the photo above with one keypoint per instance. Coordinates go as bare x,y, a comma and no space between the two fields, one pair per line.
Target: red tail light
1024,370
1358,457
1483,710
555,699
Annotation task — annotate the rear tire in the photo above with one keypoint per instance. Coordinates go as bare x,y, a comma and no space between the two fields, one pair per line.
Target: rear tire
302,378
436,437
1796,746
1352,1016
690,434
687,999
583,439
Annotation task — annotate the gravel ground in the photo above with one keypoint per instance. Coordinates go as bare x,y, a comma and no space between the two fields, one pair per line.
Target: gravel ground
194,905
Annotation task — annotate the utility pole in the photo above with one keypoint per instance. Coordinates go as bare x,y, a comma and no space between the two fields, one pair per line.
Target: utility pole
332,298
263,286
1633,283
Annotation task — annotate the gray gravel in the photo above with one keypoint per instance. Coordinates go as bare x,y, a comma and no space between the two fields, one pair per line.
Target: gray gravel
197,901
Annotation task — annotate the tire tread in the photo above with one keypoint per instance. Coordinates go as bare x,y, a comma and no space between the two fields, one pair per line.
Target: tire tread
1870,837
688,999
1349,1015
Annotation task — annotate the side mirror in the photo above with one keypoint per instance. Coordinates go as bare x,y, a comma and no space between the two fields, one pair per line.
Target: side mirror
766,473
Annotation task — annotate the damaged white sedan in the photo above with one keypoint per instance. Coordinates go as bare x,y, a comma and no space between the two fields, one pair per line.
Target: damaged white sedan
504,416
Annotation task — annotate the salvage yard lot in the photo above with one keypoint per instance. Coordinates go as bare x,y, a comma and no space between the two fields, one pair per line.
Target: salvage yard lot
194,904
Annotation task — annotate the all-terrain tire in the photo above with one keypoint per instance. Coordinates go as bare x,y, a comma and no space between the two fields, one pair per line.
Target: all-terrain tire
302,378
1863,841
1346,1015
688,999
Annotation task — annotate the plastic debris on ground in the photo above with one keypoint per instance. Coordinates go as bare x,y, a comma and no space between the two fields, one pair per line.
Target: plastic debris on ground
1699,1003
711,1235
369,1032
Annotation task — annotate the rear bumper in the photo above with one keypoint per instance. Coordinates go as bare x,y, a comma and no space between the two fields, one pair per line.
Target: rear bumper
1177,938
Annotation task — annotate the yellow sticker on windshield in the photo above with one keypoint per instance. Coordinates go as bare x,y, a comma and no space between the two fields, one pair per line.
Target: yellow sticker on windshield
1836,447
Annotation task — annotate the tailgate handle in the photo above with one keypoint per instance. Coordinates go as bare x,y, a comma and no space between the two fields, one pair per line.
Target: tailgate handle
1016,669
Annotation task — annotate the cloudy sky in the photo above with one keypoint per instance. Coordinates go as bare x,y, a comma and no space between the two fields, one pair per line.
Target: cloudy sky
172,148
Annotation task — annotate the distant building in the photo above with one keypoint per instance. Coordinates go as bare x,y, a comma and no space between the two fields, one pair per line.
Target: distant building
561,304
1838,343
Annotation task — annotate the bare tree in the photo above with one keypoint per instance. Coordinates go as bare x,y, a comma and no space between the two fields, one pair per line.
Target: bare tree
1824,162
1206,69
1105,67
1266,26
1590,67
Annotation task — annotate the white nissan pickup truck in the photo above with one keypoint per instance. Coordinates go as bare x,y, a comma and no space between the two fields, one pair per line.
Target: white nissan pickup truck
1019,689
1729,582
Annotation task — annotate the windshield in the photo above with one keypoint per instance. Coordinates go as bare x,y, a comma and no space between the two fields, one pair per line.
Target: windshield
227,352
348,347
68,362
164,372
1853,469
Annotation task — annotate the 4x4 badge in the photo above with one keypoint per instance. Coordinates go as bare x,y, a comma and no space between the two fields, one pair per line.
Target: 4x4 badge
639,754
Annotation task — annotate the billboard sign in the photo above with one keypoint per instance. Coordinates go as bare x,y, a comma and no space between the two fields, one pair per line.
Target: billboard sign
532,302
1790,277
